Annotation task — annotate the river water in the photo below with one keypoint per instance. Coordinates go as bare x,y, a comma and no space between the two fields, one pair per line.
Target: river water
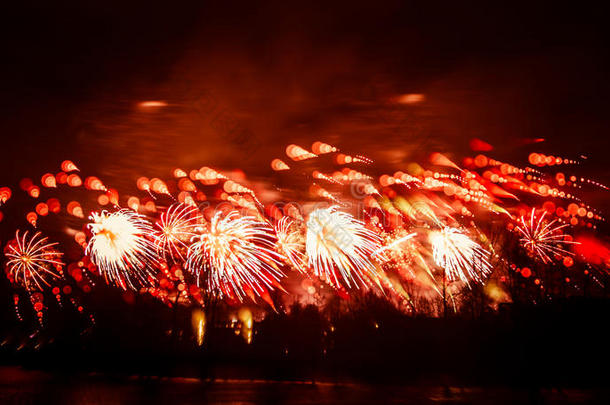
18,386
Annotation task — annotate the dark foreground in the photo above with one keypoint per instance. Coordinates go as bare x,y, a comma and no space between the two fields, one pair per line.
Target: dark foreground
555,353
19,386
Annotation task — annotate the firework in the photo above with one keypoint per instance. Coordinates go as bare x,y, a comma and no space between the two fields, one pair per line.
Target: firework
238,256
460,257
32,260
174,230
395,242
542,239
290,242
237,253
120,247
398,252
340,248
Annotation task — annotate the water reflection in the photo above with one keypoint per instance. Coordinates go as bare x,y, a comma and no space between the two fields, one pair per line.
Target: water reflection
27,387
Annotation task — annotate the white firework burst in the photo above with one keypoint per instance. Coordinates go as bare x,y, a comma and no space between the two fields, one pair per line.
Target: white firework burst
290,242
340,248
120,247
460,257
237,254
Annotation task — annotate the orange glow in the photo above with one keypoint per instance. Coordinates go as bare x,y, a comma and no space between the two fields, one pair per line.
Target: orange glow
133,203
411,98
93,183
297,153
209,176
592,249
534,158
480,146
186,198
200,196
54,205
230,187
320,148
386,180
371,202
113,196
34,191
279,165
178,173
481,161
549,206
292,211
152,104
185,184
68,166
441,160
194,175
158,186
150,206
5,194
143,184
75,209
61,177
48,180
573,209
103,199
31,217
74,180
42,209
25,184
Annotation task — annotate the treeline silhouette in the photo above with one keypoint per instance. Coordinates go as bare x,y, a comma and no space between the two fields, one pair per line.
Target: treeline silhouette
558,343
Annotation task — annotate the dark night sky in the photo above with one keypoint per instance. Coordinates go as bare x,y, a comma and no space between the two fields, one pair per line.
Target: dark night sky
73,74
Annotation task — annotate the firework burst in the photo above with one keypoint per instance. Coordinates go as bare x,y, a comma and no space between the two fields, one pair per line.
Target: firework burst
399,252
543,239
32,261
120,247
290,242
238,255
340,248
175,229
460,257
